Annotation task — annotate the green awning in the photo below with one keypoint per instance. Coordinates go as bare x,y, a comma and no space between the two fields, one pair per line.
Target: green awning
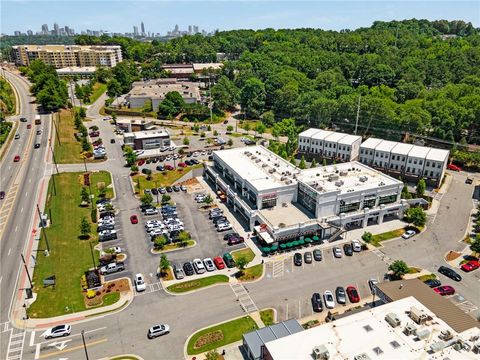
289,244
283,246
316,238
266,249
301,242
274,248
308,240
295,243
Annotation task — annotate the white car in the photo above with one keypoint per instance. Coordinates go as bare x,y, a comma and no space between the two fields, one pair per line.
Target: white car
195,154
337,252
107,232
158,232
329,300
139,283
58,331
209,265
224,227
116,249
151,212
356,246
158,330
103,222
173,221
408,234
153,223
163,148
172,148
176,227
198,265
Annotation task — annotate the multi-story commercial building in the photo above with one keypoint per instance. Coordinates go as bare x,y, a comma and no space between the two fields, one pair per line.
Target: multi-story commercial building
406,160
281,201
62,56
146,140
329,144
156,90
185,71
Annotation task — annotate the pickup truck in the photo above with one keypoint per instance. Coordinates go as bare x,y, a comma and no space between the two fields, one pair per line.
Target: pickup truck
112,268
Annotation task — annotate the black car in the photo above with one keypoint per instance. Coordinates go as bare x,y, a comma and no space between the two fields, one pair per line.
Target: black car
160,168
176,188
169,189
23,119
216,215
433,283
112,141
449,273
348,250
154,191
317,302
188,268
230,235
470,258
219,219
297,259
106,213
2,195
37,146
317,255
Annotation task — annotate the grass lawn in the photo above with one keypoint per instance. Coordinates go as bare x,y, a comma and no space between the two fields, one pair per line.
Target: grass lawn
69,256
253,124
247,253
267,316
169,178
69,150
252,273
111,298
197,284
98,90
427,277
226,333
377,239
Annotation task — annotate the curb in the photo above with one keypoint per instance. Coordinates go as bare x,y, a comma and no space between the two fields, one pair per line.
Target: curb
196,290
152,251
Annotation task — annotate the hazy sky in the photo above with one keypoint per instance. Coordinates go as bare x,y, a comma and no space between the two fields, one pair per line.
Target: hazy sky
161,16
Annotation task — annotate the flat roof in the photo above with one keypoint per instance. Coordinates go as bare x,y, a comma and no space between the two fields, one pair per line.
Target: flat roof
287,215
160,89
402,148
201,66
368,333
371,143
308,132
335,137
438,154
349,139
386,146
146,134
419,151
73,69
321,134
441,307
345,177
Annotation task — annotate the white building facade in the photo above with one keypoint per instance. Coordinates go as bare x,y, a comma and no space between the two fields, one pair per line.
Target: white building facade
329,144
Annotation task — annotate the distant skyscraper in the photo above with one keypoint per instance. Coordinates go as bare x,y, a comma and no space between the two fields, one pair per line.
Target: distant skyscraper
67,31
195,29
135,31
175,31
56,29
17,33
45,29
29,32
142,26
189,29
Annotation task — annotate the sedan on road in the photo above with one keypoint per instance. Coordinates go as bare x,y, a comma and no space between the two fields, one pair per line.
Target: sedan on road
340,295
353,294
16,158
158,330
297,259
134,219
470,266
445,290
140,283
337,252
2,195
329,300
452,274
317,302
58,331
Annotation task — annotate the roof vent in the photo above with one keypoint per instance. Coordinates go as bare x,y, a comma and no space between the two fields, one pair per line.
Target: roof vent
320,353
417,315
392,319
410,329
363,178
362,356
445,335
343,173
339,183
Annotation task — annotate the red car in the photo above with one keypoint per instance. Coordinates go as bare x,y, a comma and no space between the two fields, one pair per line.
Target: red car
218,261
29,126
444,290
168,167
140,162
16,158
134,219
353,295
454,167
470,266
183,165
235,240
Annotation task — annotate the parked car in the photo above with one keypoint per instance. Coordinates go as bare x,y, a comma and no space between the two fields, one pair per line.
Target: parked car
176,188
469,180
183,188
433,283
134,219
228,259
317,254
198,265
452,274
445,290
182,165
219,219
162,190
58,331
168,167
356,246
160,168
158,330
154,191
230,235
209,265
337,252
219,263
112,268
408,234
317,302
151,211
353,295
140,162
454,167
297,259
188,268
139,283
372,284
329,300
235,240
307,257
223,227
340,295
178,271
348,250
470,266
169,189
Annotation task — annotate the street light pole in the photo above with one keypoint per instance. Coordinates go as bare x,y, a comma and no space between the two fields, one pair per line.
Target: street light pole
156,185
26,269
84,345
358,114
43,229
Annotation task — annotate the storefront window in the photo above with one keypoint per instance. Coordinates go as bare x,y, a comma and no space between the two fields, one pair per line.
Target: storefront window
307,197
369,203
387,199
344,208
269,203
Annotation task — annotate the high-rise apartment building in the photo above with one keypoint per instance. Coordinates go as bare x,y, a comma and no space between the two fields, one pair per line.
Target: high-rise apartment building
45,29
61,56
135,31
56,29
142,26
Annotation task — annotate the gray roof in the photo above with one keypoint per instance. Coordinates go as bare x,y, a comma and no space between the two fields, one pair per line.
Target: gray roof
257,338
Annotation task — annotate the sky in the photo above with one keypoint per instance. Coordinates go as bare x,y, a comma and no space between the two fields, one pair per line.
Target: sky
161,16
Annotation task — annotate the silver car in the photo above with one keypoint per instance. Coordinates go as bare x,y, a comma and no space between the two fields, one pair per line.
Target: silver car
337,252
158,330
209,265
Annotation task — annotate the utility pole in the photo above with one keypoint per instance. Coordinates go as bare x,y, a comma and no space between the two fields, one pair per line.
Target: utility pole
53,156
156,185
26,269
358,114
56,127
84,345
93,257
42,227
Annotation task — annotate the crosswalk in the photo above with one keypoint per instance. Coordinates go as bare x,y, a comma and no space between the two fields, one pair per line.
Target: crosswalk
244,298
5,326
467,306
150,288
15,344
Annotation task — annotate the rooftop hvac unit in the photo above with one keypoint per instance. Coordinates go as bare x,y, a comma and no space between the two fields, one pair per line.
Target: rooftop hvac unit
283,178
339,183
253,157
264,165
476,348
363,178
343,173
320,353
257,160
445,335
288,182
333,177
363,356
392,319
410,329
271,171
417,315
423,334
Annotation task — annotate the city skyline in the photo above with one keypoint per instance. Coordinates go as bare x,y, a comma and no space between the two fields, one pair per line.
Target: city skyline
159,16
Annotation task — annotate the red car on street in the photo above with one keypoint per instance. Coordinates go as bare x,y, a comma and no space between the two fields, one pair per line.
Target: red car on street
134,219
470,266
29,126
16,158
353,295
218,261
454,167
445,290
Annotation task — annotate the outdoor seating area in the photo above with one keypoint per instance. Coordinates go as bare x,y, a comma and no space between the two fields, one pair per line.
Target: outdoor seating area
290,245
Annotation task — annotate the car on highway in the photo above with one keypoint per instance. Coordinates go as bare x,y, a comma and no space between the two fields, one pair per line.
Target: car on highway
340,295
2,195
158,330
178,271
39,132
329,300
408,234
23,119
16,158
307,257
432,283
317,302
450,273
353,295
198,265
29,126
372,284
36,146
134,219
219,263
209,265
470,266
188,268
445,290
317,255
17,136
297,259
454,167
347,249
58,331
140,283
337,252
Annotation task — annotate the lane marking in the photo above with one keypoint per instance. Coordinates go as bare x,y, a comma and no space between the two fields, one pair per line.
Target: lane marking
72,348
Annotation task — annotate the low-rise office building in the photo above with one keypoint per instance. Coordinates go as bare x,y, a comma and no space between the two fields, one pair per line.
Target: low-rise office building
329,144
145,140
132,125
281,201
409,161
81,72
156,90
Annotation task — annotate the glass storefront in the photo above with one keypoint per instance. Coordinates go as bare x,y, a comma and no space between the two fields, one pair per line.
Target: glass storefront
387,199
307,197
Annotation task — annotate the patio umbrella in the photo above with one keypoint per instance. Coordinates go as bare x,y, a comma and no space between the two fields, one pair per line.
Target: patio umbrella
295,243
289,244
266,250
308,240
283,246
301,242
274,248
315,238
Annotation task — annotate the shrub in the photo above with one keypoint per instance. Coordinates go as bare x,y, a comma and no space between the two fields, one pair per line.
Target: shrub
91,294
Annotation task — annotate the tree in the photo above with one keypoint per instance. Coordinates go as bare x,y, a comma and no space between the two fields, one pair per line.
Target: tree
399,268
172,105
252,98
229,128
186,141
260,128
313,164
241,263
208,199
302,164
405,193
85,228
146,199
183,238
268,119
130,155
84,195
324,162
475,245
159,242
166,198
114,88
164,264
225,94
367,237
215,133
416,216
230,142
246,127
421,186
212,355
